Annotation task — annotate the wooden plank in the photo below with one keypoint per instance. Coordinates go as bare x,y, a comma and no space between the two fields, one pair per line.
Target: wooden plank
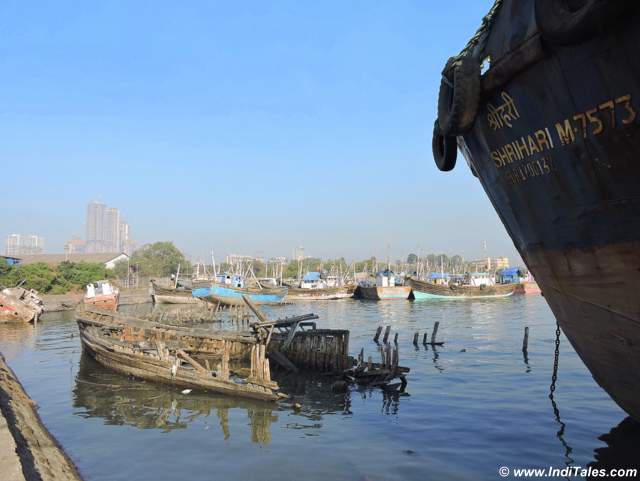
191,361
289,340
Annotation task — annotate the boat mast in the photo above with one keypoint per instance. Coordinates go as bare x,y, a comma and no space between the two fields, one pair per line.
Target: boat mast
213,263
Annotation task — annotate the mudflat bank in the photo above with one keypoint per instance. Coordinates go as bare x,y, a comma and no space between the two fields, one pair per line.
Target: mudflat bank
27,450
66,302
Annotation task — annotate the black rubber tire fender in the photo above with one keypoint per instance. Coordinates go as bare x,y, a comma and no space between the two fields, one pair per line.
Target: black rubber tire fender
459,95
566,22
445,149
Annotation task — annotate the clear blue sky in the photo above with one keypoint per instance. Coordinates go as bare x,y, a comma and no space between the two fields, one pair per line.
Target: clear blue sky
244,127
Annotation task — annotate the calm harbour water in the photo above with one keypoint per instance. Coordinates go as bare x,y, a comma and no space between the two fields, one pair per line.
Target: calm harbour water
470,407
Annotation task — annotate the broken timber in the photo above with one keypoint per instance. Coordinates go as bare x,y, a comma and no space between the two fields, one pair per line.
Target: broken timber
178,355
295,343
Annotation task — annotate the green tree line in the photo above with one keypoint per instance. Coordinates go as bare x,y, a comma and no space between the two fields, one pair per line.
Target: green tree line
160,259
63,278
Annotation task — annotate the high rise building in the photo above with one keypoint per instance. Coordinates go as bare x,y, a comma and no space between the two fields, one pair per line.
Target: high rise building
126,244
106,230
95,227
111,230
20,244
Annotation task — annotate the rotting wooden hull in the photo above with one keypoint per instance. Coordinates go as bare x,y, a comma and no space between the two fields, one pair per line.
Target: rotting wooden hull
376,293
426,290
326,294
14,310
107,302
177,356
169,299
163,295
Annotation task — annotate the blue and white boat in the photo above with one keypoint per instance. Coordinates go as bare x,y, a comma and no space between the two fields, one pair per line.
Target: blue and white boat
229,290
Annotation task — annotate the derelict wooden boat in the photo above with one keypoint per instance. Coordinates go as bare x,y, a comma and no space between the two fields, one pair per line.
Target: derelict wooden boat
427,290
232,296
379,293
19,304
108,302
223,362
102,295
168,295
321,294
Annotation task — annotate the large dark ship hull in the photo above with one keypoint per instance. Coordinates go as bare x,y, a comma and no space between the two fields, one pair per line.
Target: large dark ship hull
556,146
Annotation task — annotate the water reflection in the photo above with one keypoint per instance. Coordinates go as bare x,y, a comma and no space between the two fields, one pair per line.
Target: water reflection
623,447
435,357
315,395
15,336
121,400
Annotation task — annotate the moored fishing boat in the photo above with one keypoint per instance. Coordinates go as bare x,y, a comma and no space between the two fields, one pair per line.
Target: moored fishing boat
551,129
314,287
223,362
230,288
320,294
103,295
387,287
232,296
428,290
19,304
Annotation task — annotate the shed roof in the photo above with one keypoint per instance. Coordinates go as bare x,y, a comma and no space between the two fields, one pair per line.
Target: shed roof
439,275
311,276
510,271
54,259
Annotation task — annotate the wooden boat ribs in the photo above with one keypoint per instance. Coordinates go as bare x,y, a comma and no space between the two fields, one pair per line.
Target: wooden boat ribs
228,362
215,361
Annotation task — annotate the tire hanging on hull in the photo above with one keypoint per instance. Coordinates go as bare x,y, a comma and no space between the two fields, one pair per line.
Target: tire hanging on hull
445,149
459,96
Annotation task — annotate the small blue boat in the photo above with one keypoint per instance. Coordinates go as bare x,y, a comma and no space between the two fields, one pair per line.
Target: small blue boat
231,293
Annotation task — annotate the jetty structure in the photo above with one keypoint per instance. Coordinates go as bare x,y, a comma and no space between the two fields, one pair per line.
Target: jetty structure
543,103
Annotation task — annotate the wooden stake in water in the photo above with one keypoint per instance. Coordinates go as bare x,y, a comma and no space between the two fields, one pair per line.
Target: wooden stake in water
415,338
387,331
376,338
525,341
435,331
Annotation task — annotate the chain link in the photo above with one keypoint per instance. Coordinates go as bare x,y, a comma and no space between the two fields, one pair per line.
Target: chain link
554,376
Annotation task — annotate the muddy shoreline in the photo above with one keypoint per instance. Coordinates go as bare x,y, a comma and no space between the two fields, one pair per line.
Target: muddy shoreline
38,455
68,302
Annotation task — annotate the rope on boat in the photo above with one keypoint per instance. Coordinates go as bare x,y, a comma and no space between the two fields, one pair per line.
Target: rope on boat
487,22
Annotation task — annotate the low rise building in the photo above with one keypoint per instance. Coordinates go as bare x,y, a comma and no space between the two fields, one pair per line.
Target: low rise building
109,259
